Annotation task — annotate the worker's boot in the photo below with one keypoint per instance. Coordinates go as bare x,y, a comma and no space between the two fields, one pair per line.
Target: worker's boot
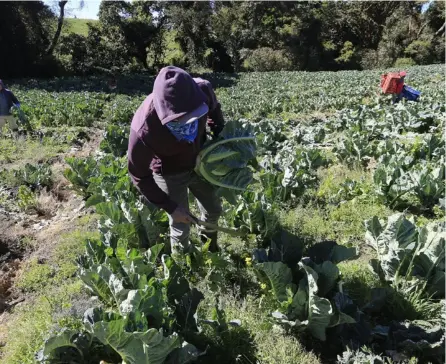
212,236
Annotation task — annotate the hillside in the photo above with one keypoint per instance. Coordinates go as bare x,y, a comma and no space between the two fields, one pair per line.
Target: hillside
78,26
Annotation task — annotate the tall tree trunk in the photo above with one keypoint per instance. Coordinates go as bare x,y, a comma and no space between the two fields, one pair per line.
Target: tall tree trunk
441,30
421,29
59,27
142,56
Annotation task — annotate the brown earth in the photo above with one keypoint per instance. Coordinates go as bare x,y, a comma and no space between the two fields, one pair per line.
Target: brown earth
34,234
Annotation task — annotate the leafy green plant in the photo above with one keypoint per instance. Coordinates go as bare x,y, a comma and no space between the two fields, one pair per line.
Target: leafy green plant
120,109
224,162
428,184
307,292
363,356
105,183
26,199
79,172
354,148
44,108
253,214
72,345
431,148
145,310
392,184
35,176
115,140
290,173
145,300
131,337
407,255
202,265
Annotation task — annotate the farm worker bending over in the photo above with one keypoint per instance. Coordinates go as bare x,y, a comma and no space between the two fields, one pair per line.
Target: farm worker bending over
166,135
7,100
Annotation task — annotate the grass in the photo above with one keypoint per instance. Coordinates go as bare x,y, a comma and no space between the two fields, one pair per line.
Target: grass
19,152
35,277
402,303
60,265
347,220
256,341
358,280
31,322
325,214
343,223
57,296
333,178
77,26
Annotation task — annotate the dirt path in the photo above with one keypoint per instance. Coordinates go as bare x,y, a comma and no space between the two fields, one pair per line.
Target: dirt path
60,207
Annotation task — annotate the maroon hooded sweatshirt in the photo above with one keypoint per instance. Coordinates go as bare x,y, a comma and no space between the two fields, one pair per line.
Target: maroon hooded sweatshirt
152,147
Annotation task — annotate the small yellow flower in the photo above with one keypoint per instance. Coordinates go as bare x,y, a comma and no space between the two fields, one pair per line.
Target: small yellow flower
248,261
208,262
263,286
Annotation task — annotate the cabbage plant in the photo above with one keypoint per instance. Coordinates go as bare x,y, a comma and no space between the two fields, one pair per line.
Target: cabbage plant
225,161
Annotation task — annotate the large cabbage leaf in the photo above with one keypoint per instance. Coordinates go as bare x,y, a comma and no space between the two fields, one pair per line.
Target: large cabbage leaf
319,309
147,347
389,243
149,301
407,252
224,161
430,257
72,346
96,280
279,276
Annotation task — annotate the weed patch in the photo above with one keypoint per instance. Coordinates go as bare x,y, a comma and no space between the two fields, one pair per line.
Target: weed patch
261,341
30,322
343,223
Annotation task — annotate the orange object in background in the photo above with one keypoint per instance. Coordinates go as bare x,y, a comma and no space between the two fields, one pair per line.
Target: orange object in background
393,82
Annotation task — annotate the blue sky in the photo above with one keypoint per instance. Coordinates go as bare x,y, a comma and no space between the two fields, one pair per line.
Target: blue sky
426,6
89,11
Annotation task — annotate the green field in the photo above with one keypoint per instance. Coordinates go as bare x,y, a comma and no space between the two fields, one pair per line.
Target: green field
77,26
341,259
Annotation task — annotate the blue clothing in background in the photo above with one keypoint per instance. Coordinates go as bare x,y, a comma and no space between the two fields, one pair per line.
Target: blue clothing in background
4,107
6,96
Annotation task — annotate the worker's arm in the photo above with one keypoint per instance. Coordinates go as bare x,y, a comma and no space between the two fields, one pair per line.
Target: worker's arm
139,157
215,121
14,99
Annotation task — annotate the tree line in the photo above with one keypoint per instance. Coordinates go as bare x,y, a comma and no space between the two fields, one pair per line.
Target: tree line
221,36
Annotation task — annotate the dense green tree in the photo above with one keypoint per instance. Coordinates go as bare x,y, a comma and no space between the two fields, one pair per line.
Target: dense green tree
129,26
191,22
231,29
223,36
26,30
433,30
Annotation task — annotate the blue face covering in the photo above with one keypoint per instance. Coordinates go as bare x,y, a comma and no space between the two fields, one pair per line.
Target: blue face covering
187,132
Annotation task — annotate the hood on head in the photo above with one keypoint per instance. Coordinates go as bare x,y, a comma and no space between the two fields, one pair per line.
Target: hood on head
175,94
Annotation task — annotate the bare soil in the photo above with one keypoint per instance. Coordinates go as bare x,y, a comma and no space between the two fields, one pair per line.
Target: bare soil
57,209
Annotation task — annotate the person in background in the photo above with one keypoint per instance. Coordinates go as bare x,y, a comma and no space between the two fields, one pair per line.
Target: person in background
167,132
399,90
7,100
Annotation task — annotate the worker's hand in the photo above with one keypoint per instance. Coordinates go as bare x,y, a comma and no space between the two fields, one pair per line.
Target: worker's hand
181,215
